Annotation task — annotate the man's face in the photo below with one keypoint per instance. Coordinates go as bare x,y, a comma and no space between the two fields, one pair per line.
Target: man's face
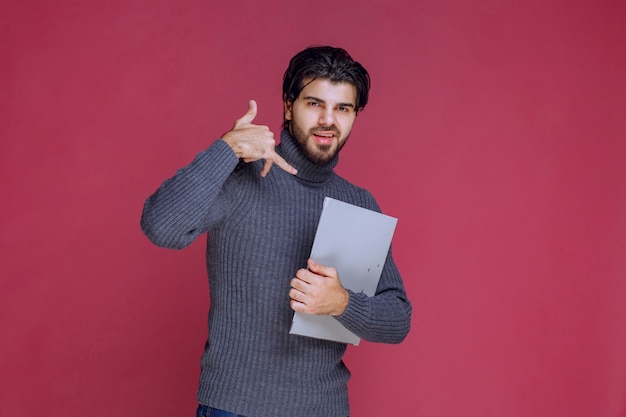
322,117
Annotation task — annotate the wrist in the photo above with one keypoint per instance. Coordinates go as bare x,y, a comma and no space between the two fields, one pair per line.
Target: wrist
226,137
343,303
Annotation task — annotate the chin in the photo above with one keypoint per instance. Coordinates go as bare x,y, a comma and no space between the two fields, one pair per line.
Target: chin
320,158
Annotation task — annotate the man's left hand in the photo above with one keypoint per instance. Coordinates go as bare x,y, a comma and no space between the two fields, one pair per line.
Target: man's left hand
317,290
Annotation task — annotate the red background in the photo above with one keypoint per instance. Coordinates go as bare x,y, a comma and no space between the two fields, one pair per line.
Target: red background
496,133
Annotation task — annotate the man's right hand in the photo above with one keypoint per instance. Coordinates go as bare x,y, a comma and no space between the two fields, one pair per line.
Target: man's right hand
253,142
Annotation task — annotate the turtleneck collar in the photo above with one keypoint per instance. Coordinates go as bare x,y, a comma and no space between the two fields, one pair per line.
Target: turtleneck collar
307,170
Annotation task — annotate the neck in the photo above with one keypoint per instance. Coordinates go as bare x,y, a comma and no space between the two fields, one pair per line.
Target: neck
292,152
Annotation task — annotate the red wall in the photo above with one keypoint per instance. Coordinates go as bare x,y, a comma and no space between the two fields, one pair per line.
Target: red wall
495,132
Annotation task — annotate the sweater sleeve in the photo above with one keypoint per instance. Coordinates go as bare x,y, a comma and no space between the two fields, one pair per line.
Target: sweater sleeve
385,317
188,204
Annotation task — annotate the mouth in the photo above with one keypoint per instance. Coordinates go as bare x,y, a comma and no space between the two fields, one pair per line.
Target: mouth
324,137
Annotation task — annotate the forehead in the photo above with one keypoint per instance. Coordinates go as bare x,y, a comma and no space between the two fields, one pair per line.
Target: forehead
329,92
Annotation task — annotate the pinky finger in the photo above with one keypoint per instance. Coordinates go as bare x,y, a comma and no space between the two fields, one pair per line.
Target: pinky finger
284,165
297,306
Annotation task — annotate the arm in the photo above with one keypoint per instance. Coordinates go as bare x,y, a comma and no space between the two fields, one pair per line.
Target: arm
188,204
385,317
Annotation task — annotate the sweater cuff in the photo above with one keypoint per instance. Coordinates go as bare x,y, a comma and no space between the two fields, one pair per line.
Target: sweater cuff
356,312
219,155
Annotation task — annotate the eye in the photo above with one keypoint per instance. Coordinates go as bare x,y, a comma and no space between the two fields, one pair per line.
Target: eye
314,103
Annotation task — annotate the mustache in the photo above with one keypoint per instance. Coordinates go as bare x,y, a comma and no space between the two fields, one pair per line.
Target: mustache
319,129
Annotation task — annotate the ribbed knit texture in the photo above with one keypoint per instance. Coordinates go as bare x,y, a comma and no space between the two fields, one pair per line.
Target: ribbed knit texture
260,232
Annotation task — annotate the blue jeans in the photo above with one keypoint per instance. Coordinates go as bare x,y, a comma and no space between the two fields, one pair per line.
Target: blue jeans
204,411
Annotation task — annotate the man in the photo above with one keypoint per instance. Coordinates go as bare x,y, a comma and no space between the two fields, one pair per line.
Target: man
259,205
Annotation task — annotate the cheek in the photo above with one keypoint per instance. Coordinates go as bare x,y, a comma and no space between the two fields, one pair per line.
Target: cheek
346,123
308,119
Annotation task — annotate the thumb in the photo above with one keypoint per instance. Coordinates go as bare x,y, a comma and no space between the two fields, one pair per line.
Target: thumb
320,269
250,114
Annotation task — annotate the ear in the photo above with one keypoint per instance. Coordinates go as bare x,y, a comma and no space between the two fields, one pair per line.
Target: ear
288,109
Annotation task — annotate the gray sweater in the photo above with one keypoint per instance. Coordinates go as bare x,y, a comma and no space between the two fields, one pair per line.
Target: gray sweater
259,233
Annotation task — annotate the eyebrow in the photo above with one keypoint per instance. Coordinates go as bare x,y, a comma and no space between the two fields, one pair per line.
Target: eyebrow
324,102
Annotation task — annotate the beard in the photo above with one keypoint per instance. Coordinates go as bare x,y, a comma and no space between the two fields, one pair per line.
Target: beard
316,153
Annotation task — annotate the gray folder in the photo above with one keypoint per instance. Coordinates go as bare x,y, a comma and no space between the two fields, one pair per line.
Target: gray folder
355,241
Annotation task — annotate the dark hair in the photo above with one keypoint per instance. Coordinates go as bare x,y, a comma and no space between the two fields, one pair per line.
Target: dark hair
329,63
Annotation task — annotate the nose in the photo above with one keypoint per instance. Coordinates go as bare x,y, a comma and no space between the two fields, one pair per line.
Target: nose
327,117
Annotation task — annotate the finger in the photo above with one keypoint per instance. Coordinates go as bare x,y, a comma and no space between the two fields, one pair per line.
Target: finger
298,306
266,167
247,118
278,160
303,277
297,295
301,285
